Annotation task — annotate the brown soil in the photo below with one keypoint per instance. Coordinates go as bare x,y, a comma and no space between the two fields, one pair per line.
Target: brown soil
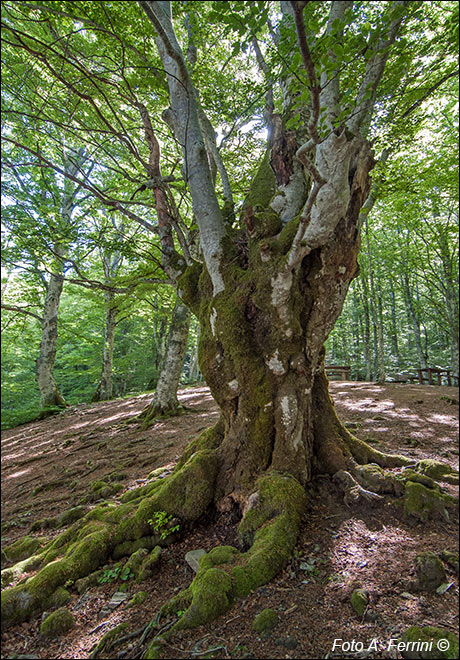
339,547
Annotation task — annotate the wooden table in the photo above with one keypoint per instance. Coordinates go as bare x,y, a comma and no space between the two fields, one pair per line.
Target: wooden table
335,370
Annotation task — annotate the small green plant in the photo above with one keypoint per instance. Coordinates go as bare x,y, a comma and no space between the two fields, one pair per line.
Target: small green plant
112,574
109,575
160,523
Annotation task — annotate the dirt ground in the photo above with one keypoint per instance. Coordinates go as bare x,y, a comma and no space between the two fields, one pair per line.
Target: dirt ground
47,467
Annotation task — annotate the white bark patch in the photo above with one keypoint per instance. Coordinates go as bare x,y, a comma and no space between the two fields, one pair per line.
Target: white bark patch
332,160
281,291
288,413
288,203
233,385
275,365
212,320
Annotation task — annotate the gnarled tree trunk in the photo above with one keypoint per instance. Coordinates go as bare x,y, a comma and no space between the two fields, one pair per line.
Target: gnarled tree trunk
261,351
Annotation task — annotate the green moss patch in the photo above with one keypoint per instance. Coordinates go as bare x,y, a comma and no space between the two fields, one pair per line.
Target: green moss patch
430,571
265,622
137,599
211,596
22,548
359,601
438,471
424,503
57,623
422,643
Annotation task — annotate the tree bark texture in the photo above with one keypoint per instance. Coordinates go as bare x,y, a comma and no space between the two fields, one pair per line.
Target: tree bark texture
104,391
165,398
262,337
49,392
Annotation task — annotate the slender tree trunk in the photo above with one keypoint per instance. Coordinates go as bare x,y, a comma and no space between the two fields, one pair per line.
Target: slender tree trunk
414,322
49,393
165,398
377,313
367,329
104,391
394,327
450,288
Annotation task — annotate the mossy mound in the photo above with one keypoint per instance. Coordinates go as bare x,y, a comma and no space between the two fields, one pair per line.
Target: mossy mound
450,558
101,490
137,599
429,643
425,503
21,549
430,571
438,471
360,601
150,565
265,622
57,623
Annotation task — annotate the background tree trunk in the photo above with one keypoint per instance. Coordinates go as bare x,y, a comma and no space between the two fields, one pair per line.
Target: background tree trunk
104,391
165,398
49,392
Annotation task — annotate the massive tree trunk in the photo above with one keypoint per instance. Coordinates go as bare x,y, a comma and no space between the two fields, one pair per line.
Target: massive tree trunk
50,396
165,401
262,337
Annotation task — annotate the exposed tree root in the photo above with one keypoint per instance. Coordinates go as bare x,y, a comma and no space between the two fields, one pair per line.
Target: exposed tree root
153,412
267,532
110,531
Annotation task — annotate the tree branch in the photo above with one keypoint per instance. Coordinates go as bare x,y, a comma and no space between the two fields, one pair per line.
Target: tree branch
22,310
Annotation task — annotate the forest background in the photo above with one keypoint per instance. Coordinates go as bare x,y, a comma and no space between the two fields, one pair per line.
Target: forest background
401,313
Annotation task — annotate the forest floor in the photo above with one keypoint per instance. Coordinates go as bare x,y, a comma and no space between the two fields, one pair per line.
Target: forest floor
48,466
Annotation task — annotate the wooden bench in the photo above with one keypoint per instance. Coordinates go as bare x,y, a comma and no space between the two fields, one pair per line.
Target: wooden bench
402,378
335,370
432,373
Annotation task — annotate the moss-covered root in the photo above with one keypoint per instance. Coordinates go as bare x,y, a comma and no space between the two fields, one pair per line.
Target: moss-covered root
423,496
269,529
90,549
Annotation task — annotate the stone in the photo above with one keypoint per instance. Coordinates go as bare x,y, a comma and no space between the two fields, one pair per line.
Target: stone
193,558
117,599
430,572
288,642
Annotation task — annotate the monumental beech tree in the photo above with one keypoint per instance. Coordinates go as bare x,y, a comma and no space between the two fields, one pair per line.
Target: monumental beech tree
266,286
